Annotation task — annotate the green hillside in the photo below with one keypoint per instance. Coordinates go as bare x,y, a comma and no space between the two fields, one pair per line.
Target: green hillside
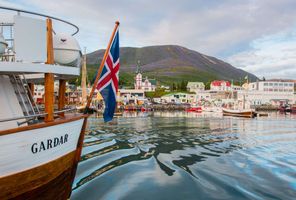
169,64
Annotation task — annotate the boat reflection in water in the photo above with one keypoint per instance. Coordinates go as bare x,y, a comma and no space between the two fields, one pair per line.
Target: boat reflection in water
180,156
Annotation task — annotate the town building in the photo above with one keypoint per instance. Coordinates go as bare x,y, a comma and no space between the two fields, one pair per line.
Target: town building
236,88
73,94
38,94
203,96
178,98
132,96
220,85
195,86
272,86
166,88
268,92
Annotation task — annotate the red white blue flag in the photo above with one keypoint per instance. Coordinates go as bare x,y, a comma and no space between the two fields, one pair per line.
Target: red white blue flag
108,82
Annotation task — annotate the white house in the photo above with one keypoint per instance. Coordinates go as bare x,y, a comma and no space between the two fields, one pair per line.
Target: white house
195,86
220,85
178,98
131,96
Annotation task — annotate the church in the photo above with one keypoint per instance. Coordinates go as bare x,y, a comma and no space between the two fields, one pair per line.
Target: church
148,85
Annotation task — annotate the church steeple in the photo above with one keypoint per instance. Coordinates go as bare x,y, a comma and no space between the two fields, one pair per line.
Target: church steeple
138,70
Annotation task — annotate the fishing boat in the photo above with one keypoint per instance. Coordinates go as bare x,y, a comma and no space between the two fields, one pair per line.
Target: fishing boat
240,110
39,150
248,113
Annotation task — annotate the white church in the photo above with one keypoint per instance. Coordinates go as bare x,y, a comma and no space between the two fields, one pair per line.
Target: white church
148,85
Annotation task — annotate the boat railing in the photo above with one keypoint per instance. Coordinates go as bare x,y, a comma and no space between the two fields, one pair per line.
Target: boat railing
35,116
16,40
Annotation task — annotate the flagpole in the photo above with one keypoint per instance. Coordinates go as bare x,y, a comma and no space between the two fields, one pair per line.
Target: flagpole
101,67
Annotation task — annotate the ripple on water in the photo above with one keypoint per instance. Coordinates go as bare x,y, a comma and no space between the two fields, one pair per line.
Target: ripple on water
188,158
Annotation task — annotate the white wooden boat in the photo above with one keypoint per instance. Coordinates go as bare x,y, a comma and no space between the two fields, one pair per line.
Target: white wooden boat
248,113
39,151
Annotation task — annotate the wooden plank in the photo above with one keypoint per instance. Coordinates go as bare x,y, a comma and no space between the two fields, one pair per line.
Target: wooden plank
35,179
52,190
62,92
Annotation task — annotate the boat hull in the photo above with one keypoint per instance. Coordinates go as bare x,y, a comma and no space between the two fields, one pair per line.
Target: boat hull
40,163
194,109
239,113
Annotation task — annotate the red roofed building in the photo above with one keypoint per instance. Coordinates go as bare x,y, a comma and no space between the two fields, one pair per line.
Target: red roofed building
220,85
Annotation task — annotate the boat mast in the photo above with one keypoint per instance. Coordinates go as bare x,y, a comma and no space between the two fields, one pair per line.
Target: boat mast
244,102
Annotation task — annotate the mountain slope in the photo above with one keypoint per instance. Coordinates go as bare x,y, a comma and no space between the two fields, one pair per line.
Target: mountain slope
170,63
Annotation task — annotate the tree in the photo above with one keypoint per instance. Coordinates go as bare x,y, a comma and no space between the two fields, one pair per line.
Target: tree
183,85
208,85
173,87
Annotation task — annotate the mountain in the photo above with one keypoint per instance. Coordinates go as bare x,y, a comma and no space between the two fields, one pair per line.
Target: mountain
171,63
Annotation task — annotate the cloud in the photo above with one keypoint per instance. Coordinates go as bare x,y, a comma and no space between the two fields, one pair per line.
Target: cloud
217,28
271,56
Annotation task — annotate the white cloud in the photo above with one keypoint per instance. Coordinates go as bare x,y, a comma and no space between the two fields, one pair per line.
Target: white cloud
271,56
218,28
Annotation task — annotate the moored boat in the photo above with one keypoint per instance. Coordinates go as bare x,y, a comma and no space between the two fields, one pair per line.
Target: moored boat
287,108
39,151
196,109
248,113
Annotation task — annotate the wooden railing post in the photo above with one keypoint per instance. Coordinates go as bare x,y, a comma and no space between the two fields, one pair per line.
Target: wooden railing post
49,77
62,92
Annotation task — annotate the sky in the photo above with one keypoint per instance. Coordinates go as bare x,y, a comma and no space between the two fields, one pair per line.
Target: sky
258,36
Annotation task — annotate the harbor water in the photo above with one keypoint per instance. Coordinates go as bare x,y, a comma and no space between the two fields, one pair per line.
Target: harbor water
178,155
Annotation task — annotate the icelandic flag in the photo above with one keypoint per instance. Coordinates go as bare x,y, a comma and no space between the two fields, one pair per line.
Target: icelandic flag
108,82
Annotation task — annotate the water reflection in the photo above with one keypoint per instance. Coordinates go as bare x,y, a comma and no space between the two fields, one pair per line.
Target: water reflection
181,155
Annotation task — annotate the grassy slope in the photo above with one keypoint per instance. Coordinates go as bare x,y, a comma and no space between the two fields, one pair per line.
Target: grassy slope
162,76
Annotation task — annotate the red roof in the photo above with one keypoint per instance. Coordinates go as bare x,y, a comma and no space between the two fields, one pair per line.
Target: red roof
219,83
